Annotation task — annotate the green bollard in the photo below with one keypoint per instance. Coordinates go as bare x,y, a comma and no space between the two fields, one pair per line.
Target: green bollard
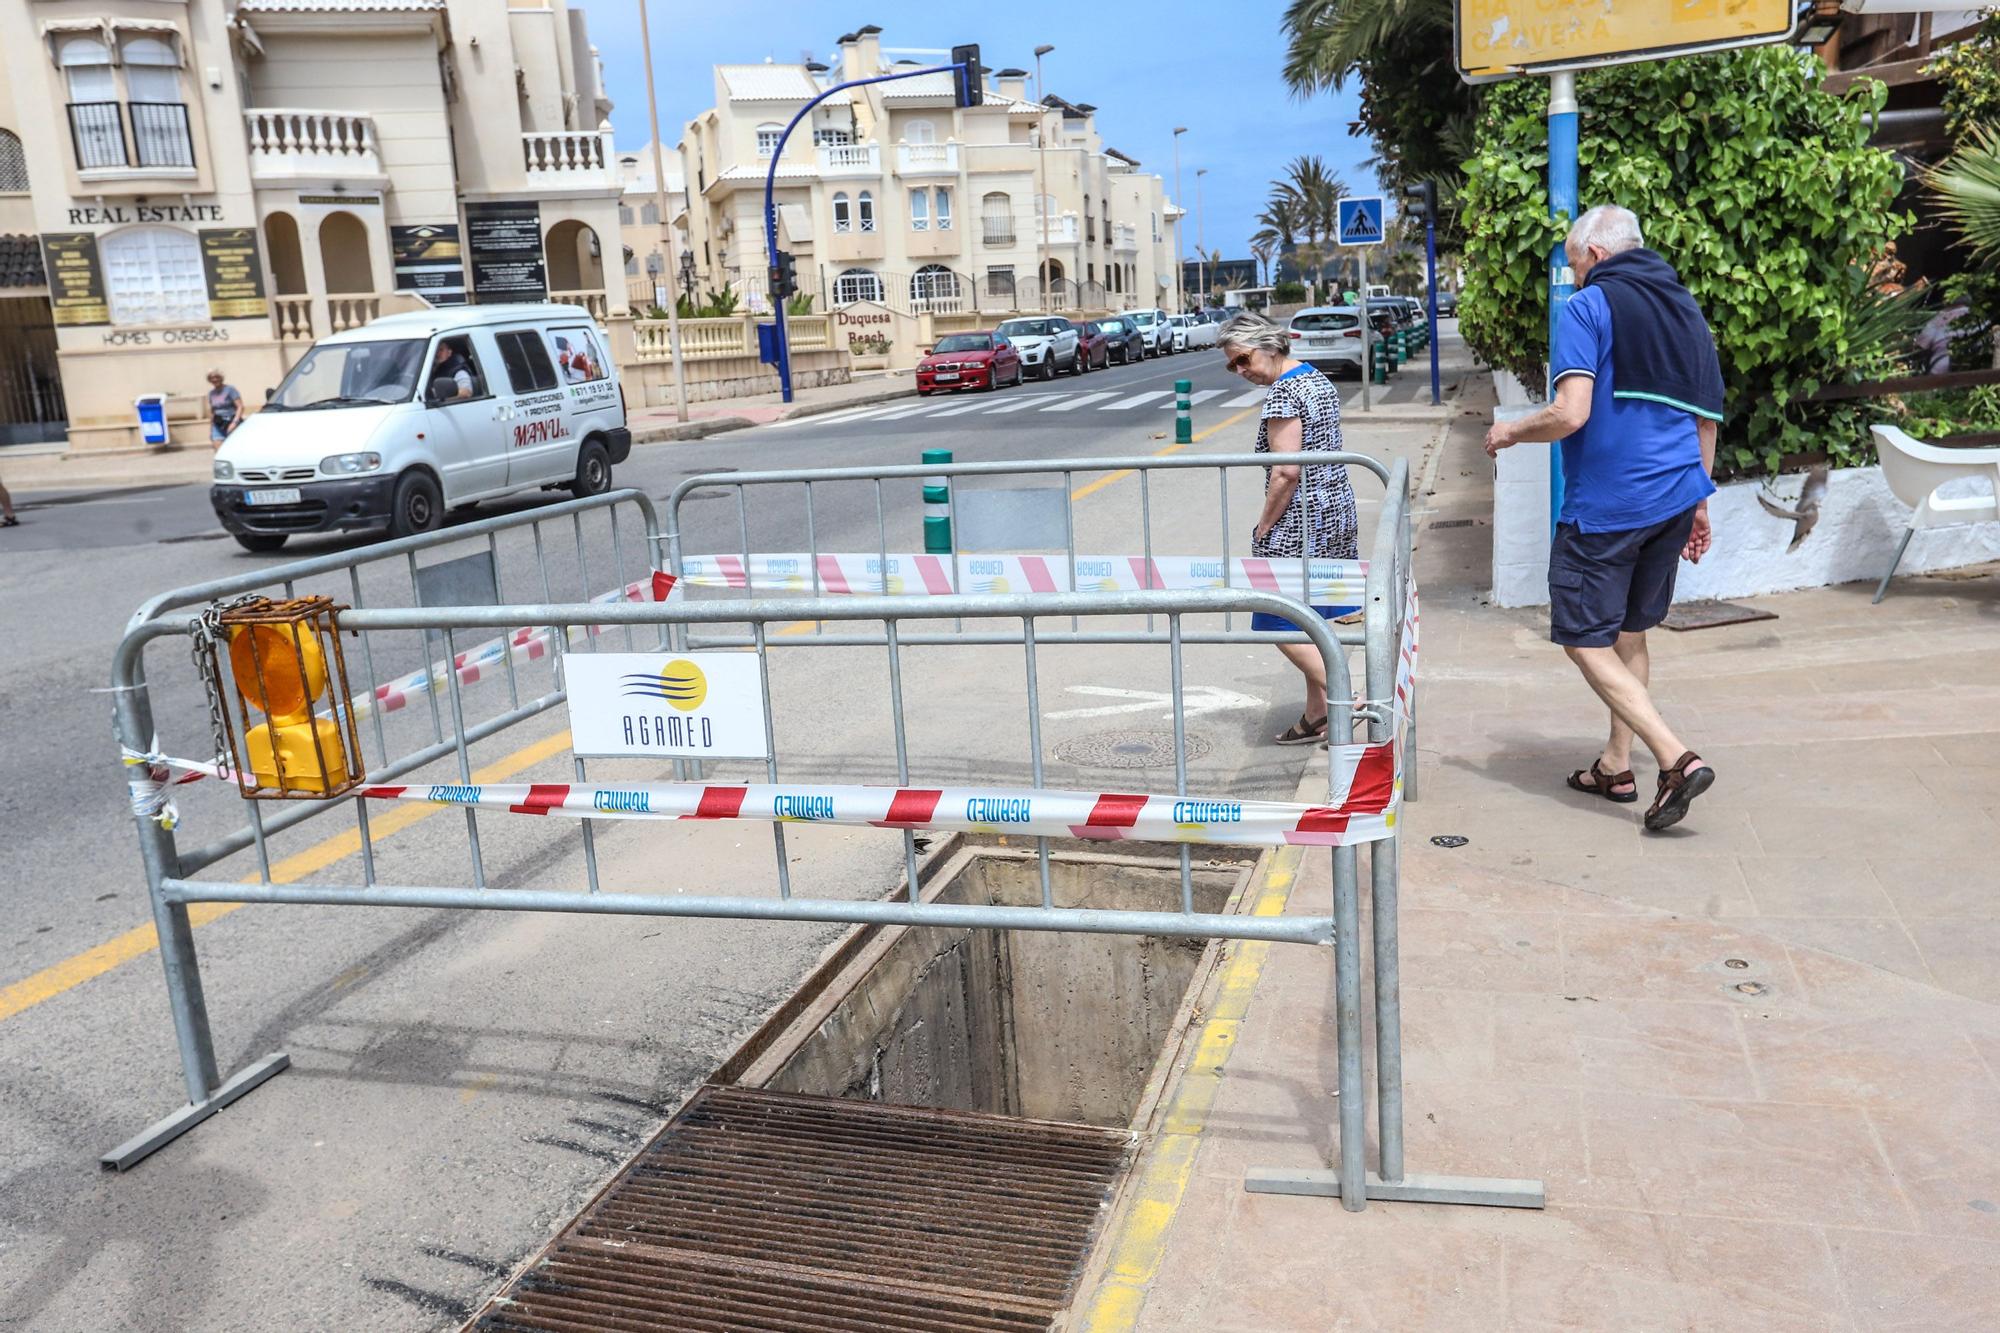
1183,418
937,507
1381,371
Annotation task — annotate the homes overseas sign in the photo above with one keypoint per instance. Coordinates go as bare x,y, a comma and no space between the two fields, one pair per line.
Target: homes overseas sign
1497,39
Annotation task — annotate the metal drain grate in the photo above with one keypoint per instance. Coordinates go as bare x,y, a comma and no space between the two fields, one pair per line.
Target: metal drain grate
777,1211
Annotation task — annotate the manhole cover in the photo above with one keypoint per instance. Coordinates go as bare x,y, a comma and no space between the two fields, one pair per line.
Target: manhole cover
1708,614
1128,749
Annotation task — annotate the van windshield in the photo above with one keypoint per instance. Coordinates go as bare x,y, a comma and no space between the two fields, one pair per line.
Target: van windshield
351,375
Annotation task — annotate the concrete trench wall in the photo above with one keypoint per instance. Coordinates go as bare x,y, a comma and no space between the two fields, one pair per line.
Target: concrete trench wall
1031,1023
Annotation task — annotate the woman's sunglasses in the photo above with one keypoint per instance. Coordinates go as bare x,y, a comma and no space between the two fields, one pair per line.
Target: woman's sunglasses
1237,364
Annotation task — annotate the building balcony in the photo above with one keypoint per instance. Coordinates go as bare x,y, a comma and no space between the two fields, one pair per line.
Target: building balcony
1124,238
850,159
289,145
122,138
1056,231
571,161
926,159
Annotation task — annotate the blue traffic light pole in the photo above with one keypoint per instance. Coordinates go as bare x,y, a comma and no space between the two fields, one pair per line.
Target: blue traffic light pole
783,346
1431,268
1562,282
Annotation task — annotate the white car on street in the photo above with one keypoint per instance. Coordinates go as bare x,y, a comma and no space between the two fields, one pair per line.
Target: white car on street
1328,338
1191,331
1153,326
1048,344
391,424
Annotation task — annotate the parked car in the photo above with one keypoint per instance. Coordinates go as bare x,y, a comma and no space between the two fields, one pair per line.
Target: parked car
1094,345
1177,333
1195,331
1123,340
1328,338
392,423
1047,344
1447,304
1154,328
1397,308
968,361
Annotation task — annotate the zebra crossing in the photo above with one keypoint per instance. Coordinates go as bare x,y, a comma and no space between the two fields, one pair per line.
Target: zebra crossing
1102,401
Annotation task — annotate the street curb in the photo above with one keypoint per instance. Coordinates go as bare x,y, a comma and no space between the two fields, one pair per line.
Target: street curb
696,430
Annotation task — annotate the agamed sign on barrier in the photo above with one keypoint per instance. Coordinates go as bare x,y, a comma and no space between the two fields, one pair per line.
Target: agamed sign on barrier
1497,39
691,705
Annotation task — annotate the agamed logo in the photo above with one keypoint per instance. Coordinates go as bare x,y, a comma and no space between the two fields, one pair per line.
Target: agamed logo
683,688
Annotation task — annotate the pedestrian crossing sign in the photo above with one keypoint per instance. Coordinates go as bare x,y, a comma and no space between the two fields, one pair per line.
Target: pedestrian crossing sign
1361,221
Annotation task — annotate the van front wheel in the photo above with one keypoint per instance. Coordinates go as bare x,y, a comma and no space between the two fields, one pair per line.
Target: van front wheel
418,506
593,470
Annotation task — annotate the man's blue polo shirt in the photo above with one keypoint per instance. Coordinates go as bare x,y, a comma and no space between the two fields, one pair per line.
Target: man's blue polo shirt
1636,462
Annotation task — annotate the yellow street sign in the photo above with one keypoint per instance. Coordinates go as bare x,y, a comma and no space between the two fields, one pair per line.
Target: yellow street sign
1497,39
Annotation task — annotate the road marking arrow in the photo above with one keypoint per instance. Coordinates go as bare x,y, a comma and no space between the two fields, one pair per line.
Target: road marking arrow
1196,700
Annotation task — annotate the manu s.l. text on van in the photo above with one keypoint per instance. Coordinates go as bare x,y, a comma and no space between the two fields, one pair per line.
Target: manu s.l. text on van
391,424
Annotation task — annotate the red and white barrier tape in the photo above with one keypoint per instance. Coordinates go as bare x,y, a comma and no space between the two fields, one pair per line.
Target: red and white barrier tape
1366,816
1332,582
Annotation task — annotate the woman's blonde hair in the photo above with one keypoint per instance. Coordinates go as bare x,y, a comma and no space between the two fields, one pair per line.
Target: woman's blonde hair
1254,333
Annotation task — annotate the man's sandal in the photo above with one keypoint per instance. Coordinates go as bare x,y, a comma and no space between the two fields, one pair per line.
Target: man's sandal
1303,732
1601,783
1678,788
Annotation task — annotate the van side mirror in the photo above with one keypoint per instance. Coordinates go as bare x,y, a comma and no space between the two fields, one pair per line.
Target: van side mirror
443,388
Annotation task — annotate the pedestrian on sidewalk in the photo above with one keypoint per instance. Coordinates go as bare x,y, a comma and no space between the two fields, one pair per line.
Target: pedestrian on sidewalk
1307,510
1636,414
225,409
7,517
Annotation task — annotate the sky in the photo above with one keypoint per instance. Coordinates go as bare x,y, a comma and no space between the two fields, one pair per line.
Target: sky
1147,67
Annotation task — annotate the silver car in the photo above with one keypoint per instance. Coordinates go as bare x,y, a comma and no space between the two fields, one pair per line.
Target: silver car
1049,345
1328,337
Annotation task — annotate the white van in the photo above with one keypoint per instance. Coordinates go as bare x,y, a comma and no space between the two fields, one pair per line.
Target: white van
393,423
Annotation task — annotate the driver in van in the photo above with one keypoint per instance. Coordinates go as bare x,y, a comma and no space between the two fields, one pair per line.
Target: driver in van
452,365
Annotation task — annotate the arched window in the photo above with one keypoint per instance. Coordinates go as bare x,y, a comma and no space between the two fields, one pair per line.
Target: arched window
152,70
867,211
152,275
95,119
920,131
86,64
13,164
767,138
932,287
843,219
996,218
858,284
943,209
920,210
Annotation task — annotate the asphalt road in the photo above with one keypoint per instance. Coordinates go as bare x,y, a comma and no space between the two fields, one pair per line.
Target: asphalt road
463,1081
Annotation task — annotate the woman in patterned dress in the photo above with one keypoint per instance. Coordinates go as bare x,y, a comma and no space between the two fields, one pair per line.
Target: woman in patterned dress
1307,510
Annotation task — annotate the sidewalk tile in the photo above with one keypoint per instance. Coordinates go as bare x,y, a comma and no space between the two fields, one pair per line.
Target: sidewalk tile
1963,954
1815,886
1879,941
1917,1283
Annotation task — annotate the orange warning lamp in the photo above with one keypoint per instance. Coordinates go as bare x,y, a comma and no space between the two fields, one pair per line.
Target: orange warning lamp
283,656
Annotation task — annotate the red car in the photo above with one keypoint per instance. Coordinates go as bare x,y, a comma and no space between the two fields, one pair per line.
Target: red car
969,361
1093,346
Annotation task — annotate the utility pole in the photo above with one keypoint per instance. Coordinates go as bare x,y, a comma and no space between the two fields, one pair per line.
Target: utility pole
1042,169
666,225
1562,203
1180,255
1200,237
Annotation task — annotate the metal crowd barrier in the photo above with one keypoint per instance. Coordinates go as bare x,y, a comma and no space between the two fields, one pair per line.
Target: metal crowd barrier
175,882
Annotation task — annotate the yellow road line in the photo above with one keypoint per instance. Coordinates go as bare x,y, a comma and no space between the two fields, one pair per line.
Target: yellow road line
1092,488
73,971
1138,1240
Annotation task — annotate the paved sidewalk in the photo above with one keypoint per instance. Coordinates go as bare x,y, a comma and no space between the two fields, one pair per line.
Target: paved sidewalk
1756,1061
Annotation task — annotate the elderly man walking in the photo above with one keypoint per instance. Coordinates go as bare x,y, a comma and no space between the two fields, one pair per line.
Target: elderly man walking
1638,393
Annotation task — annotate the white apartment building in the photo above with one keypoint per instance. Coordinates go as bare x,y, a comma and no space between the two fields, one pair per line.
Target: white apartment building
187,184
890,195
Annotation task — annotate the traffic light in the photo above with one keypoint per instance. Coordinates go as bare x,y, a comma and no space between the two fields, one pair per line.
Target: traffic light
965,77
1423,199
784,275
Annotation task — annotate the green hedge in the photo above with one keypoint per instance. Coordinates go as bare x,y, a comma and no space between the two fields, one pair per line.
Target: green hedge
1754,182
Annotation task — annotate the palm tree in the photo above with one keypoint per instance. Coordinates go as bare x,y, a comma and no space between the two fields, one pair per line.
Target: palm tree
1263,247
1315,193
1329,38
1968,184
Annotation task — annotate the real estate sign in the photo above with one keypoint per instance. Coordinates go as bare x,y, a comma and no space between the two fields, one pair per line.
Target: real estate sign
1497,39
504,238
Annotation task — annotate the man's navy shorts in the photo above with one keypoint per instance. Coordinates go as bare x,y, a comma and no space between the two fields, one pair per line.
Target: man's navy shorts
1602,583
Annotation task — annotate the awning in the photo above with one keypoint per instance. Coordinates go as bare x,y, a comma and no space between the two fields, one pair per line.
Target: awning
54,30
153,28
797,223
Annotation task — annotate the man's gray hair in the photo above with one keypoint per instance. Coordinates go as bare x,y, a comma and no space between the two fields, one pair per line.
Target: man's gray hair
1610,228
1254,333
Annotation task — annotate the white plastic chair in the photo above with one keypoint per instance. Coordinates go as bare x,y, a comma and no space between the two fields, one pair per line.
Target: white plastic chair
1915,470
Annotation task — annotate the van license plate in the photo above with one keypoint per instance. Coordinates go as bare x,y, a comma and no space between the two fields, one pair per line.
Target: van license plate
288,495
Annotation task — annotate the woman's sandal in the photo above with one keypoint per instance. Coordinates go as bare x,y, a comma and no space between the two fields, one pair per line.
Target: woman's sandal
1603,782
10,522
1678,788
1303,732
